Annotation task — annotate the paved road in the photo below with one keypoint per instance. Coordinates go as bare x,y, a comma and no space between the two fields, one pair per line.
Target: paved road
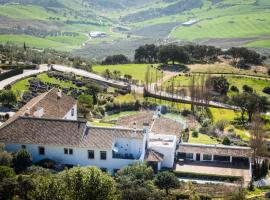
86,74
26,73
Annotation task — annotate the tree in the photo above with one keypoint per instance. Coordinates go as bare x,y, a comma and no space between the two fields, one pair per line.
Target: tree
166,180
83,183
226,141
24,186
5,157
115,59
86,100
220,84
135,182
258,143
22,160
247,89
8,98
7,188
48,188
6,172
250,103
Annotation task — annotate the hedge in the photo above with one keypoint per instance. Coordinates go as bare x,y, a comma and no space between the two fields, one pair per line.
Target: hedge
10,73
12,67
213,177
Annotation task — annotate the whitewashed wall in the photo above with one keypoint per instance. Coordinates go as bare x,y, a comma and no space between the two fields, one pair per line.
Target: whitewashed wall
79,156
69,114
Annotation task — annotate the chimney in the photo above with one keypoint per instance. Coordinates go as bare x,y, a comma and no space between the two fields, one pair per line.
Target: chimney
39,112
146,130
59,94
27,112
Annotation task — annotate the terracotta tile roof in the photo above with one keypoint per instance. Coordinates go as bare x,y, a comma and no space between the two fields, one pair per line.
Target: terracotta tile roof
153,156
140,119
53,106
236,151
28,130
103,137
44,131
165,126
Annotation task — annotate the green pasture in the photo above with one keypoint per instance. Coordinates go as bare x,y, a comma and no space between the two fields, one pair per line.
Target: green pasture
137,71
236,26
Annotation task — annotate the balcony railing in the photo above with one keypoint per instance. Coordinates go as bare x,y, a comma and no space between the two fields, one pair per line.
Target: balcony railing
128,156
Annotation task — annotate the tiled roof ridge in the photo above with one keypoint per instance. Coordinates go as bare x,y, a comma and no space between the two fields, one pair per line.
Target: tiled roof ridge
115,128
52,119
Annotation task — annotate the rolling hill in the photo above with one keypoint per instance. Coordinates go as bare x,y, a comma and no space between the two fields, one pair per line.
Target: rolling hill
65,24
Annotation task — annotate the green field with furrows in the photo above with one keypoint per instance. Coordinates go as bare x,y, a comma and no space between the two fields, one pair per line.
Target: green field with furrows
239,22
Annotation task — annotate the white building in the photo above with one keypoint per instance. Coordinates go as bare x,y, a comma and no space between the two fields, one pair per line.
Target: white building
73,142
47,127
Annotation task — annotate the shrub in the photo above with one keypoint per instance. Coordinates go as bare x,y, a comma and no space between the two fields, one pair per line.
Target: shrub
47,163
5,158
22,160
185,112
247,89
234,89
6,172
266,90
221,124
195,134
226,141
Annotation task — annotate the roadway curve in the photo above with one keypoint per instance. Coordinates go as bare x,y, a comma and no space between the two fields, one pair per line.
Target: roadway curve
25,74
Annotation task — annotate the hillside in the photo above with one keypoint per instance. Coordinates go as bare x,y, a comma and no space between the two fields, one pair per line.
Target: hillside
65,24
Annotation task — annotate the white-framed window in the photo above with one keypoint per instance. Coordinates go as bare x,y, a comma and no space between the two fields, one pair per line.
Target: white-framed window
103,155
41,150
68,151
91,154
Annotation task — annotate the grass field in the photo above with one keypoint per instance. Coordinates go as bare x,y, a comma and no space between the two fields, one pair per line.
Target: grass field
259,43
201,139
137,71
257,84
223,68
37,42
118,115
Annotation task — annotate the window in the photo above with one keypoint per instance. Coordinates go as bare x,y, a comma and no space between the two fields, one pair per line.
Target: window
207,157
189,156
41,150
65,151
23,147
91,154
103,155
70,151
72,112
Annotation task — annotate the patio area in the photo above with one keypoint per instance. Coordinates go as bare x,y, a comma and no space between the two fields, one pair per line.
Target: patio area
216,168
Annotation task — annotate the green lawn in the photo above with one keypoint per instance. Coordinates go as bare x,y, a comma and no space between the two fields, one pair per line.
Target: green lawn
20,87
97,123
201,139
137,71
223,114
118,115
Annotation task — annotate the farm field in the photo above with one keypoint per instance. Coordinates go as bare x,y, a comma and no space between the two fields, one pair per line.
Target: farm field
137,71
236,26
